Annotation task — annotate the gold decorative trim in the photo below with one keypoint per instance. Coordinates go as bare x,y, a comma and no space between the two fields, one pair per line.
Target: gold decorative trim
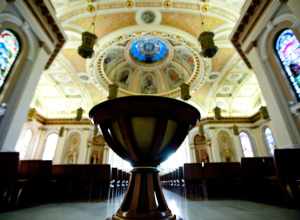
33,114
210,120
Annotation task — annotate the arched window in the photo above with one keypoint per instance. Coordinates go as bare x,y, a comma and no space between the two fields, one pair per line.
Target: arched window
246,144
9,50
287,49
23,143
270,142
50,146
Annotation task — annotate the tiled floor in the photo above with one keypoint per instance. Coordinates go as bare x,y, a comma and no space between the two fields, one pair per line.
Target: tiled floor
189,210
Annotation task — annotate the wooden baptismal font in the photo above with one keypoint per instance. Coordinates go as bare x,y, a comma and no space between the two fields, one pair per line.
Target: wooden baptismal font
144,130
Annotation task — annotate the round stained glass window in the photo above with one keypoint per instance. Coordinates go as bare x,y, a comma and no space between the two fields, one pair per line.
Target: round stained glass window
148,49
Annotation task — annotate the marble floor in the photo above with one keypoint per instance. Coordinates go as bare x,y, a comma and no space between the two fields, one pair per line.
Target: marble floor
189,210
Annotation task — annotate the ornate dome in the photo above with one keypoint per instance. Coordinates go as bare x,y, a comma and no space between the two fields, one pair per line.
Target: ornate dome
148,49
148,63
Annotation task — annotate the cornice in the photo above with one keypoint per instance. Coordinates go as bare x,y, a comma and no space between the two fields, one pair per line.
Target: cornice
57,121
232,120
210,120
246,23
41,12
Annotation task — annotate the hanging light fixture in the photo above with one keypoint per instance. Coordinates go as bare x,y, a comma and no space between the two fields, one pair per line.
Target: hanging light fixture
79,113
185,91
209,49
86,50
235,130
206,38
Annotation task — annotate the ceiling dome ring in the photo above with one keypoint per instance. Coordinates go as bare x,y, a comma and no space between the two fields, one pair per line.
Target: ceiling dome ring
183,55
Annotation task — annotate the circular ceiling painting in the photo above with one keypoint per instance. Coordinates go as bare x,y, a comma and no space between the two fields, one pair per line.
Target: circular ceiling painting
148,49
148,63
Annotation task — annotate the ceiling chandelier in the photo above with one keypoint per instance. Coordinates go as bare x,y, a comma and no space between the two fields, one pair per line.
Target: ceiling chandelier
86,50
206,38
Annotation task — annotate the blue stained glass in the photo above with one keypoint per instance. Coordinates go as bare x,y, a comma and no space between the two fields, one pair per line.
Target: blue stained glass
9,50
288,50
148,49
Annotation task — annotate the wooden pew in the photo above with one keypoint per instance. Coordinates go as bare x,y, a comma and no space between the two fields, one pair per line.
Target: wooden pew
9,162
222,179
288,171
81,181
34,182
194,179
259,179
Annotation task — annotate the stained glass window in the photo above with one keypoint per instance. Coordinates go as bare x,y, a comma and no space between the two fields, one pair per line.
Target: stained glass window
246,144
270,142
288,50
9,50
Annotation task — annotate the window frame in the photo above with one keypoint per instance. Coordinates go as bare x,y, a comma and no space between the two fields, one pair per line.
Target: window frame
45,145
282,66
16,58
266,141
250,141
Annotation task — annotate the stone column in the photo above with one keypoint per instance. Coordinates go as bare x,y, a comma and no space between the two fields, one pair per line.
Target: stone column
60,146
237,147
214,146
19,101
105,154
83,149
283,123
38,154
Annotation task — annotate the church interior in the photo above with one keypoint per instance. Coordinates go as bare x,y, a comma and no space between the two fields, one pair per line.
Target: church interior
149,109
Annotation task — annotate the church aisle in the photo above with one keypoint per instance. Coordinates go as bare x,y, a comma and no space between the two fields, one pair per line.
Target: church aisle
190,210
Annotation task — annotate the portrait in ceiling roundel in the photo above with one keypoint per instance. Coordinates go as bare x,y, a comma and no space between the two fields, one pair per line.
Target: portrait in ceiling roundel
148,85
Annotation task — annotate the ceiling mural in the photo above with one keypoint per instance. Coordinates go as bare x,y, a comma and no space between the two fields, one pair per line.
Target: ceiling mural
147,63
148,47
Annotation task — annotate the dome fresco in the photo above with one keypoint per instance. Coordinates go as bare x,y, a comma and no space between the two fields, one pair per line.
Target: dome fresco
148,49
148,63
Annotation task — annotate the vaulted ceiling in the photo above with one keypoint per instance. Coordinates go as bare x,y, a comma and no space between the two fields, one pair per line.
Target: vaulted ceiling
72,82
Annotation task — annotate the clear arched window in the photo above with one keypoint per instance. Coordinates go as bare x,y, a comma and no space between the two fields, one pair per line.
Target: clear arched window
23,143
287,48
246,144
9,50
270,142
50,146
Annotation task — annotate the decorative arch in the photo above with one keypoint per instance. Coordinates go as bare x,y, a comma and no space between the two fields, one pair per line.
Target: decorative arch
269,55
201,145
287,49
27,52
10,47
50,146
226,147
72,148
